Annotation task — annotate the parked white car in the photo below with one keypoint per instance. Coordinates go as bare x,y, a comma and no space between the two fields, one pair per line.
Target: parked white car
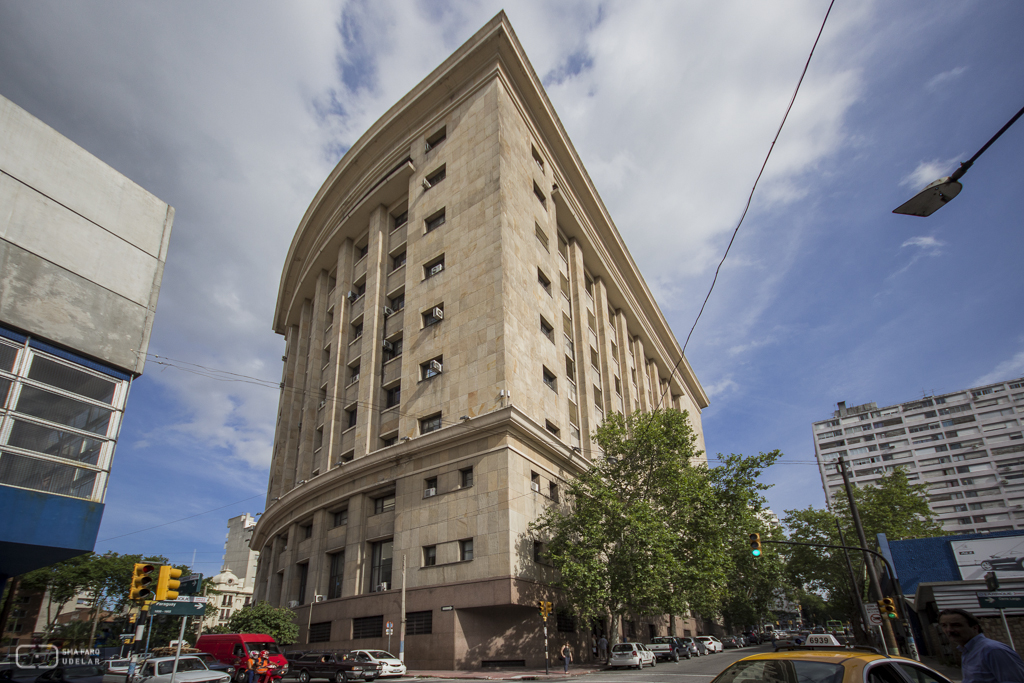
711,643
390,665
190,670
631,655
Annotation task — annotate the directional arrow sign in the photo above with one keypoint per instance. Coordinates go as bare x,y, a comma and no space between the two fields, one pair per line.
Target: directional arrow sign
1001,599
178,609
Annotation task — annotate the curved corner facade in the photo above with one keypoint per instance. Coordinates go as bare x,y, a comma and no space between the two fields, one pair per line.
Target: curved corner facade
460,314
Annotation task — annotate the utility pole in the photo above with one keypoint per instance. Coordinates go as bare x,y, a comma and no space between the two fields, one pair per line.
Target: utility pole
853,580
401,624
876,587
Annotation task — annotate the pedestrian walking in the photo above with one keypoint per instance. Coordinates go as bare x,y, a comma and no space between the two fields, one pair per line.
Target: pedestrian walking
565,654
602,649
982,660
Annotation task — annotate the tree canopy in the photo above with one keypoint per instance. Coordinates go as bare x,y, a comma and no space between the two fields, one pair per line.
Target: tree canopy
277,622
650,529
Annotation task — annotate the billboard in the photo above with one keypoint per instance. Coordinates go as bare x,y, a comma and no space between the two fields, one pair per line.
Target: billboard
1003,555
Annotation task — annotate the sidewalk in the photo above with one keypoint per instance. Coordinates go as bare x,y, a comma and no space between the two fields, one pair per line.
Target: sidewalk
516,674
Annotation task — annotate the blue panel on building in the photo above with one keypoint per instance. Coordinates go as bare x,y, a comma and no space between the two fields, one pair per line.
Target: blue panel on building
37,529
928,560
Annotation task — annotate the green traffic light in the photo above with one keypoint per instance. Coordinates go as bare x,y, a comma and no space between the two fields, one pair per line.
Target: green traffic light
756,552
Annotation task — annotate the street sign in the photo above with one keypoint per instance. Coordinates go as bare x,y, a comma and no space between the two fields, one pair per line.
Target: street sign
191,598
389,625
190,585
178,608
1001,599
875,619
447,608
388,632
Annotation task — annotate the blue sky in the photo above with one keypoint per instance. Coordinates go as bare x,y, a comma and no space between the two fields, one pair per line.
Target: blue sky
234,113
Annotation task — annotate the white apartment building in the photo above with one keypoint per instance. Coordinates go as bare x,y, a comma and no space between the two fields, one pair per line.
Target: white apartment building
967,446
234,584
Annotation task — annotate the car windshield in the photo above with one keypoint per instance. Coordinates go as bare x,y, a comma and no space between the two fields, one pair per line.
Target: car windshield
271,648
185,664
82,672
380,654
781,671
623,647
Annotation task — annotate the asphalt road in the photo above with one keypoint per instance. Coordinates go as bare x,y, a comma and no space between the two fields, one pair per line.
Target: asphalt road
697,670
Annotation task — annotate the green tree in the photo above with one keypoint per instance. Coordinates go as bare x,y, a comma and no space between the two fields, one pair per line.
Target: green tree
62,582
278,622
893,506
648,528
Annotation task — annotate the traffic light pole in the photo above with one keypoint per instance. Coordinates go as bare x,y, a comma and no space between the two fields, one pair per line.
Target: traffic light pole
911,645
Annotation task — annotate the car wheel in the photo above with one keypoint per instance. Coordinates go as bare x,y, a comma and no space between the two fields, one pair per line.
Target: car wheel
340,677
675,656
654,662
303,676
240,676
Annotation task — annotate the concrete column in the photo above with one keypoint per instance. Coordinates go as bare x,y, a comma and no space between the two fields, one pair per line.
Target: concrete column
584,390
370,401
333,422
304,396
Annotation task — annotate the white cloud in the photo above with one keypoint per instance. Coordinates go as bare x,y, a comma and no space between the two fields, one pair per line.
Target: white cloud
928,172
927,242
1011,368
942,80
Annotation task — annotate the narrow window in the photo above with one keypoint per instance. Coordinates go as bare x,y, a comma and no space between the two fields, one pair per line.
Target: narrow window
430,424
307,531
353,373
341,517
429,555
400,220
390,441
433,268
537,158
394,397
435,221
544,281
466,477
397,302
398,260
392,349
303,580
553,491
437,138
384,504
542,236
336,575
432,368
433,315
550,381
357,331
434,178
380,565
430,487
351,417
535,481
360,289
551,427
538,552
466,550
547,329
362,251
540,195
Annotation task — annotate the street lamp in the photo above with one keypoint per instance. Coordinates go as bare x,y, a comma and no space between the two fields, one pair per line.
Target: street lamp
937,194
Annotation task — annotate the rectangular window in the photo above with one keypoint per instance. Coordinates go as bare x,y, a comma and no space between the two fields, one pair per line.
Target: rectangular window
566,622
544,281
435,221
550,380
551,427
340,517
360,289
357,331
397,261
390,441
430,424
466,550
434,178
353,373
537,158
538,552
466,477
384,504
433,268
535,482
336,575
380,565
540,195
394,397
352,415
430,487
419,623
432,368
303,576
362,251
429,555
397,302
542,236
67,378
400,220
433,315
392,349
307,531
437,138
368,627
553,491
320,632
547,329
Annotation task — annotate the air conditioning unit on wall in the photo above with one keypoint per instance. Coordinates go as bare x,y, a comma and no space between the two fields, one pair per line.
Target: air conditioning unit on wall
427,493
435,366
292,604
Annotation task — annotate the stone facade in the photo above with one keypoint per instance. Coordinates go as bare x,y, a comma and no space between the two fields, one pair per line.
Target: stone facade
460,314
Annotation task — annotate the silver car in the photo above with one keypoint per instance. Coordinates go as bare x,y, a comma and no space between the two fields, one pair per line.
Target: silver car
633,655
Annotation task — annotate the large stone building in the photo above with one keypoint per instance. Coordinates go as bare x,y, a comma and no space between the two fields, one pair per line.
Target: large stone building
82,253
460,314
967,446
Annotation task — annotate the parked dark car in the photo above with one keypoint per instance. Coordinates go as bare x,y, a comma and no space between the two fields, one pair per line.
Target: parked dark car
695,647
731,642
338,666
214,664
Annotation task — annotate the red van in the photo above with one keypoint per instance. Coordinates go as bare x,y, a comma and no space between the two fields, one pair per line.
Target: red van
233,649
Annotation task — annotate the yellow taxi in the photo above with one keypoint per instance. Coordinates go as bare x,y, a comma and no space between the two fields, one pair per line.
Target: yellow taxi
824,660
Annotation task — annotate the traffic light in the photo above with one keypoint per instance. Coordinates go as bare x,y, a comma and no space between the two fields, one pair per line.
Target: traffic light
167,584
888,607
545,609
755,545
992,581
142,579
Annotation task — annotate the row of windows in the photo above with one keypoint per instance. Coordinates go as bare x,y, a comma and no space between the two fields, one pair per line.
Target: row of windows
416,624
